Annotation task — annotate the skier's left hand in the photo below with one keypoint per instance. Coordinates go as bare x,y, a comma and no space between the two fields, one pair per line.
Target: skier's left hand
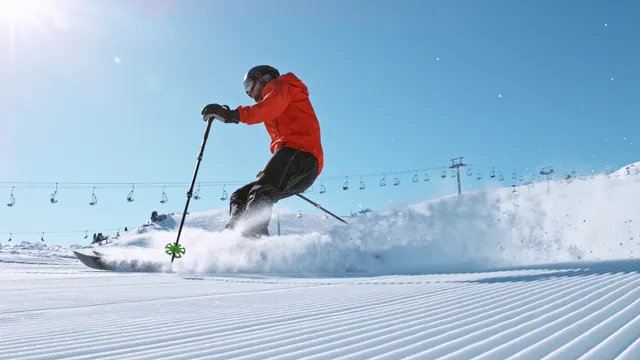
220,112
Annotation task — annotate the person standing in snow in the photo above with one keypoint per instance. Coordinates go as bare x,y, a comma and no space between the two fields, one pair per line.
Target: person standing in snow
283,106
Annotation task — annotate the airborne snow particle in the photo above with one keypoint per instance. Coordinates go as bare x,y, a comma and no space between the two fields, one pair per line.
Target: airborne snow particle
117,60
499,95
438,59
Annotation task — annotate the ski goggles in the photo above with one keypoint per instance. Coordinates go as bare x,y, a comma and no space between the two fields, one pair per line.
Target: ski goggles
249,84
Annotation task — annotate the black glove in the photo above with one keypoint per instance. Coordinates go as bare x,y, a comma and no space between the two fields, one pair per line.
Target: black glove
221,112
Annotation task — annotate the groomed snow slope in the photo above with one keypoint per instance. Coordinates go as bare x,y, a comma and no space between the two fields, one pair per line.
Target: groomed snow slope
482,276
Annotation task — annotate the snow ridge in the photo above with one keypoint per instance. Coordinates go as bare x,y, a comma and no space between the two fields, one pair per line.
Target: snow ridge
540,223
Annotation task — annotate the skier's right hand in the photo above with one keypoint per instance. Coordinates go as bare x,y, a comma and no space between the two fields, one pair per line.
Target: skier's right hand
220,112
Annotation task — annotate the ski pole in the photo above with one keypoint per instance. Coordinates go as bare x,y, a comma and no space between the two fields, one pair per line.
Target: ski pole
320,207
175,249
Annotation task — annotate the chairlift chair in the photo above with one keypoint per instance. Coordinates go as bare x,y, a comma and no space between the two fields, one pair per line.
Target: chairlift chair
196,195
164,196
52,199
130,196
94,198
12,199
224,196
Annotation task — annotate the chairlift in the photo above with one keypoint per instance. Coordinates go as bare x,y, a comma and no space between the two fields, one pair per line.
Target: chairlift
383,181
12,199
86,234
493,173
362,184
427,177
415,177
130,196
521,178
9,237
514,175
469,172
345,186
53,196
164,196
196,195
444,174
396,181
42,237
501,178
224,196
479,177
453,173
323,189
94,198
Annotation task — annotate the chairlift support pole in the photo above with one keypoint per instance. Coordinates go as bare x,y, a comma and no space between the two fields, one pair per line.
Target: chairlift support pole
547,171
457,165
278,222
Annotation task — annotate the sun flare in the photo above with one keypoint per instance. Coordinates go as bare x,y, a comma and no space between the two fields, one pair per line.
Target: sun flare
20,10
21,20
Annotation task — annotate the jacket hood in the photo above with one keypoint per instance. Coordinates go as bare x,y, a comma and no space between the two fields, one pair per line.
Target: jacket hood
292,79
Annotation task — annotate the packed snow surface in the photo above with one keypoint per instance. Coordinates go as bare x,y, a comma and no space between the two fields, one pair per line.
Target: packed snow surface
548,270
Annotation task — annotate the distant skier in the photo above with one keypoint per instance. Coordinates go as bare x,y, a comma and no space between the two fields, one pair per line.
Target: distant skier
282,104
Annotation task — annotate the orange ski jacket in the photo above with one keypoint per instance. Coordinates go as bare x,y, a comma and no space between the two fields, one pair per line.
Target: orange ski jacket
287,115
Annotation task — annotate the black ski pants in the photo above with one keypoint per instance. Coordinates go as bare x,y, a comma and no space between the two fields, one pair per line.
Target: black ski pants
288,172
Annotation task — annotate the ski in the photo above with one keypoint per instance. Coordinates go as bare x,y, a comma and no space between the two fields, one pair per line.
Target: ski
100,262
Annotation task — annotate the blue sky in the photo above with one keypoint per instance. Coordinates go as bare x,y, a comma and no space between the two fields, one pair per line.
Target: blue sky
111,92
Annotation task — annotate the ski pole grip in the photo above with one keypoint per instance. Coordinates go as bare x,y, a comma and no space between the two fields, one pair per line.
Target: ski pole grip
208,117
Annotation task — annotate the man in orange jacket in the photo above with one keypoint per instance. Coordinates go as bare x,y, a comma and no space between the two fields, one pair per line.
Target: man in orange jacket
283,106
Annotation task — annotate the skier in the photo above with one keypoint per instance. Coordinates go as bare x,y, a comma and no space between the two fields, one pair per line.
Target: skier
283,106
